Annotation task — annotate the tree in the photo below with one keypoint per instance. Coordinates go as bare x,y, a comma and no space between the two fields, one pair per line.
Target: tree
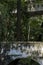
18,24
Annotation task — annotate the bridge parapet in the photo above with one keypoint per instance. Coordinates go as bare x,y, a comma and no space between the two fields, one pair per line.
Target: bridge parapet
20,49
35,7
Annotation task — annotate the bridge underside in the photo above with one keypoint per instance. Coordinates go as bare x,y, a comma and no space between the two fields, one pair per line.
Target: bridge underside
14,62
18,61
33,13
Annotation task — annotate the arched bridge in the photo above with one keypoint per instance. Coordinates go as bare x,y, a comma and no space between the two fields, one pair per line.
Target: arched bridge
34,9
16,50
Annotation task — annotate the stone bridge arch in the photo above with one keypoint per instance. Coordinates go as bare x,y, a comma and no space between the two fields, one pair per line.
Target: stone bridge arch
16,62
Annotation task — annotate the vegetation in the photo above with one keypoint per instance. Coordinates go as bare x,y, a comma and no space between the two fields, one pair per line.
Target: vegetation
24,61
27,61
15,26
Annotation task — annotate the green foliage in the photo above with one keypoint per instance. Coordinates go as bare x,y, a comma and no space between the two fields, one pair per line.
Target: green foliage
27,61
8,21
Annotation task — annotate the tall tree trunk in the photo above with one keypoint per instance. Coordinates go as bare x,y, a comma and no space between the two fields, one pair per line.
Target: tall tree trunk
18,24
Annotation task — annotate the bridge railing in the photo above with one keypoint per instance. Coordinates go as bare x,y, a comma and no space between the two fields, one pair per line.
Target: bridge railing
35,7
19,49
28,46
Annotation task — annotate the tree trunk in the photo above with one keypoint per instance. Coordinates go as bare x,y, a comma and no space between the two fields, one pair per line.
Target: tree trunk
18,24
